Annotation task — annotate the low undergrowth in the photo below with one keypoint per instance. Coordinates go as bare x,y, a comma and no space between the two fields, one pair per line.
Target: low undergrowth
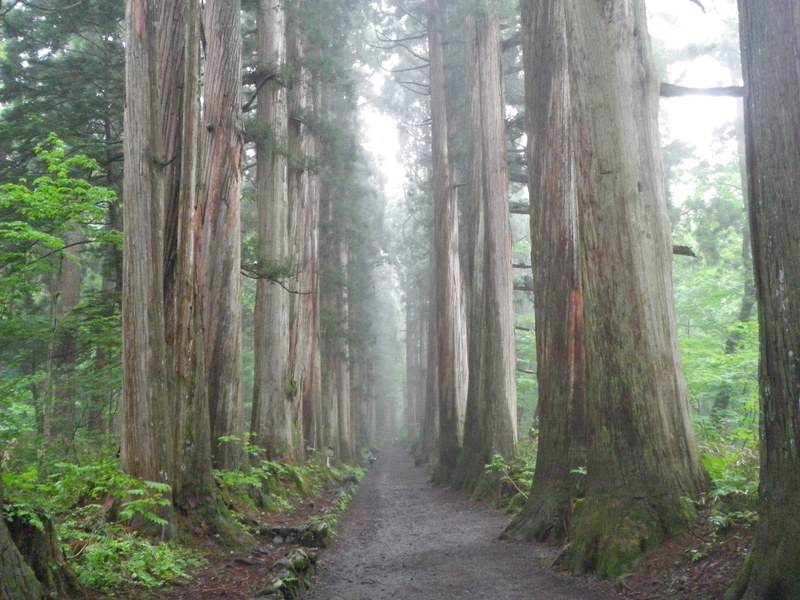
515,476
92,504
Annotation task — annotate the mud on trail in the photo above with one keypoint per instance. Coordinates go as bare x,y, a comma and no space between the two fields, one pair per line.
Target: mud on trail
401,538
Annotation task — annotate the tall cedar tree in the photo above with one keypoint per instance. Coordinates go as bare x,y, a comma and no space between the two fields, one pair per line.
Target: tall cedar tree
334,304
490,423
770,35
447,280
557,287
166,432
643,463
272,394
147,444
304,349
220,203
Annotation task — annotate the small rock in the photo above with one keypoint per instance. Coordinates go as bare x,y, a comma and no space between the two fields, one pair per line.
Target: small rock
299,561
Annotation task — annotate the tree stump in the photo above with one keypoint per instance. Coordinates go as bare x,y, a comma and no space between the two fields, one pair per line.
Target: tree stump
39,547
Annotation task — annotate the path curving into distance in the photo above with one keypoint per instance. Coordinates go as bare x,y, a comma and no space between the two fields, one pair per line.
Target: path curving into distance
404,539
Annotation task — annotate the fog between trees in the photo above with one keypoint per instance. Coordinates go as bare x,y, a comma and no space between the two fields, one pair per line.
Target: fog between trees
264,301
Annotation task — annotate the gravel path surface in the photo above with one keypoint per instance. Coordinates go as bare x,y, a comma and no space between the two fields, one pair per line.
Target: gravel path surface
403,539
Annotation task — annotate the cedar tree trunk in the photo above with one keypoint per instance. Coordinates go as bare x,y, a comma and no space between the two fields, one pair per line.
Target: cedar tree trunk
770,36
272,395
490,425
643,464
221,177
447,280
557,287
304,359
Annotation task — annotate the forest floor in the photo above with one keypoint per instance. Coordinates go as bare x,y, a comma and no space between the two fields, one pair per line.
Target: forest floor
401,538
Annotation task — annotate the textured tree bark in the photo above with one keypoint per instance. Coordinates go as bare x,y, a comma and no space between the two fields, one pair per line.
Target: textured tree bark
329,341
304,359
447,280
643,463
17,581
416,356
184,285
558,292
147,418
426,314
272,397
334,303
490,425
220,204
344,390
413,360
166,431
429,432
769,37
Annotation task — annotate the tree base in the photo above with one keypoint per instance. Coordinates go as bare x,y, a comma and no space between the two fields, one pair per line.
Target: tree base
610,535
544,518
216,519
772,570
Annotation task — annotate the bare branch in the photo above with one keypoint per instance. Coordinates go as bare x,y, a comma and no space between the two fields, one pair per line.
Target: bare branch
262,76
422,89
393,44
250,274
703,8
670,90
399,5
410,38
407,69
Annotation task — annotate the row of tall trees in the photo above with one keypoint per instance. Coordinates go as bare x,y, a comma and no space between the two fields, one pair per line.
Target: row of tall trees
615,428
184,153
230,103
252,224
461,392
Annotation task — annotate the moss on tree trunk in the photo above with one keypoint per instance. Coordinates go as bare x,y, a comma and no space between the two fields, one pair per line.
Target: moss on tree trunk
772,569
612,533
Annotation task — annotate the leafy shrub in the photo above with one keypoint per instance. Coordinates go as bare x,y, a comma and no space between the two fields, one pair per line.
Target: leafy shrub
518,473
78,497
278,484
106,561
734,471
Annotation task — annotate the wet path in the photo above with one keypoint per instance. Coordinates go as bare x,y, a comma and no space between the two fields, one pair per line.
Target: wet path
403,539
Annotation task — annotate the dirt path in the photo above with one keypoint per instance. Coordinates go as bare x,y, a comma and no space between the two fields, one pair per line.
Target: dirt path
404,539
